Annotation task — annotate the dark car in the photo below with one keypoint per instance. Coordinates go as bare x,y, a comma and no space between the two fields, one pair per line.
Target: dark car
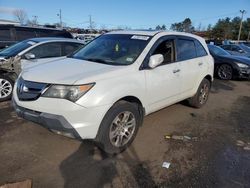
237,49
229,66
11,34
246,44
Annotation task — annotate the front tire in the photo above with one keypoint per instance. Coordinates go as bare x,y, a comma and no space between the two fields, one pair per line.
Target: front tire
119,127
225,72
201,95
6,87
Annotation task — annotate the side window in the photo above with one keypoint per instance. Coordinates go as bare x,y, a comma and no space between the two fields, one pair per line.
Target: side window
5,35
69,48
22,34
227,47
185,49
166,48
200,51
236,48
47,50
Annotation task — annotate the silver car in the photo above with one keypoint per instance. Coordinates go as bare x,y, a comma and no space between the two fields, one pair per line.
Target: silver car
31,52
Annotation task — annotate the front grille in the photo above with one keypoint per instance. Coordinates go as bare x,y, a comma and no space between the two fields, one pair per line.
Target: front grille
29,91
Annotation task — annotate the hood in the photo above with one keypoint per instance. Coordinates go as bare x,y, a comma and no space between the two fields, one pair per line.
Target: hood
235,58
69,71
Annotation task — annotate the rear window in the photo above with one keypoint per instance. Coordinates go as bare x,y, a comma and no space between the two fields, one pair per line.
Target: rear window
185,49
200,51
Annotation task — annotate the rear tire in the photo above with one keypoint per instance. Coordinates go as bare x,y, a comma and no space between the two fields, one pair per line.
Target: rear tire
201,96
6,87
119,127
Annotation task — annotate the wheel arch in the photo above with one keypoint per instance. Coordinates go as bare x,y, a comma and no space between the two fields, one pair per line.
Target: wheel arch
12,75
133,99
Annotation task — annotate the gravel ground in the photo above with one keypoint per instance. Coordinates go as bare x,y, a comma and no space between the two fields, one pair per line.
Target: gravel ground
218,155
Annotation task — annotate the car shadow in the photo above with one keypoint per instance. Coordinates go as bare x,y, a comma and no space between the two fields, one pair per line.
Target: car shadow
219,85
83,169
90,167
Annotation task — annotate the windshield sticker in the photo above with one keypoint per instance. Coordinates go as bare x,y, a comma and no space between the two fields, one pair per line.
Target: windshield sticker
140,37
117,47
31,43
129,59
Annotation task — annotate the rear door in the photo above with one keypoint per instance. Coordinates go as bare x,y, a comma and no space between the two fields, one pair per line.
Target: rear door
192,64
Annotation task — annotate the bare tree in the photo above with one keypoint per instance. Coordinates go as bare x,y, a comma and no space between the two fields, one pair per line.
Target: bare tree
20,16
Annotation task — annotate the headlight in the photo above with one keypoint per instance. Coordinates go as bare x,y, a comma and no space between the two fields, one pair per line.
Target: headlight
72,93
241,65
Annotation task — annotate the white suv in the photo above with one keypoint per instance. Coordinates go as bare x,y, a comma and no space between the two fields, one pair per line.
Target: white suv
104,90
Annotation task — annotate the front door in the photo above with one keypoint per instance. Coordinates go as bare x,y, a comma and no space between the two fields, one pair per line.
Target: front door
163,82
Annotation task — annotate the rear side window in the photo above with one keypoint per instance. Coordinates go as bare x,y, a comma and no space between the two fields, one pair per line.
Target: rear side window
200,51
5,35
47,50
69,48
185,49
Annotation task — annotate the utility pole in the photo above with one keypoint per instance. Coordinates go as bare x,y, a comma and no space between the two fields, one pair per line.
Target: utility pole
34,22
90,22
248,36
60,17
242,13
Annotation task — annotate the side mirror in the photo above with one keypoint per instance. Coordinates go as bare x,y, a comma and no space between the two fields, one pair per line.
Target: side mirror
30,56
155,60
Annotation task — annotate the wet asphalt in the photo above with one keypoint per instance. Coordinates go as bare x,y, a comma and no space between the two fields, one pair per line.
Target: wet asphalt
217,155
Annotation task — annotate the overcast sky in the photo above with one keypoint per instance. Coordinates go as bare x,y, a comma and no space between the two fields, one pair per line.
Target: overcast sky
137,14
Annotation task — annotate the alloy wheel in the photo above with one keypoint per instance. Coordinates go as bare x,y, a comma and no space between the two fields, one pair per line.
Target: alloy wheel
5,88
122,129
225,72
204,91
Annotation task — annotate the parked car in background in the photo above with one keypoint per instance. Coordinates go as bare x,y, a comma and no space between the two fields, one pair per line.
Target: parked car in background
246,44
229,66
11,34
86,38
29,53
103,91
237,49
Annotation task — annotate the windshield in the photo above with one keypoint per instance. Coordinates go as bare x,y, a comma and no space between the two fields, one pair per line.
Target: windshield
216,50
113,49
16,48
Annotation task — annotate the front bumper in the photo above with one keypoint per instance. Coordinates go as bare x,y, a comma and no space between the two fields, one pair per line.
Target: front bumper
55,123
244,73
62,116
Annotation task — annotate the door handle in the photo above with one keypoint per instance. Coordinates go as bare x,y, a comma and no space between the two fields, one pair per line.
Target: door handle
176,70
200,63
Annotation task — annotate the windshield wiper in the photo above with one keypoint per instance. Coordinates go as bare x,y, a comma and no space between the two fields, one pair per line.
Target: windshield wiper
104,61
